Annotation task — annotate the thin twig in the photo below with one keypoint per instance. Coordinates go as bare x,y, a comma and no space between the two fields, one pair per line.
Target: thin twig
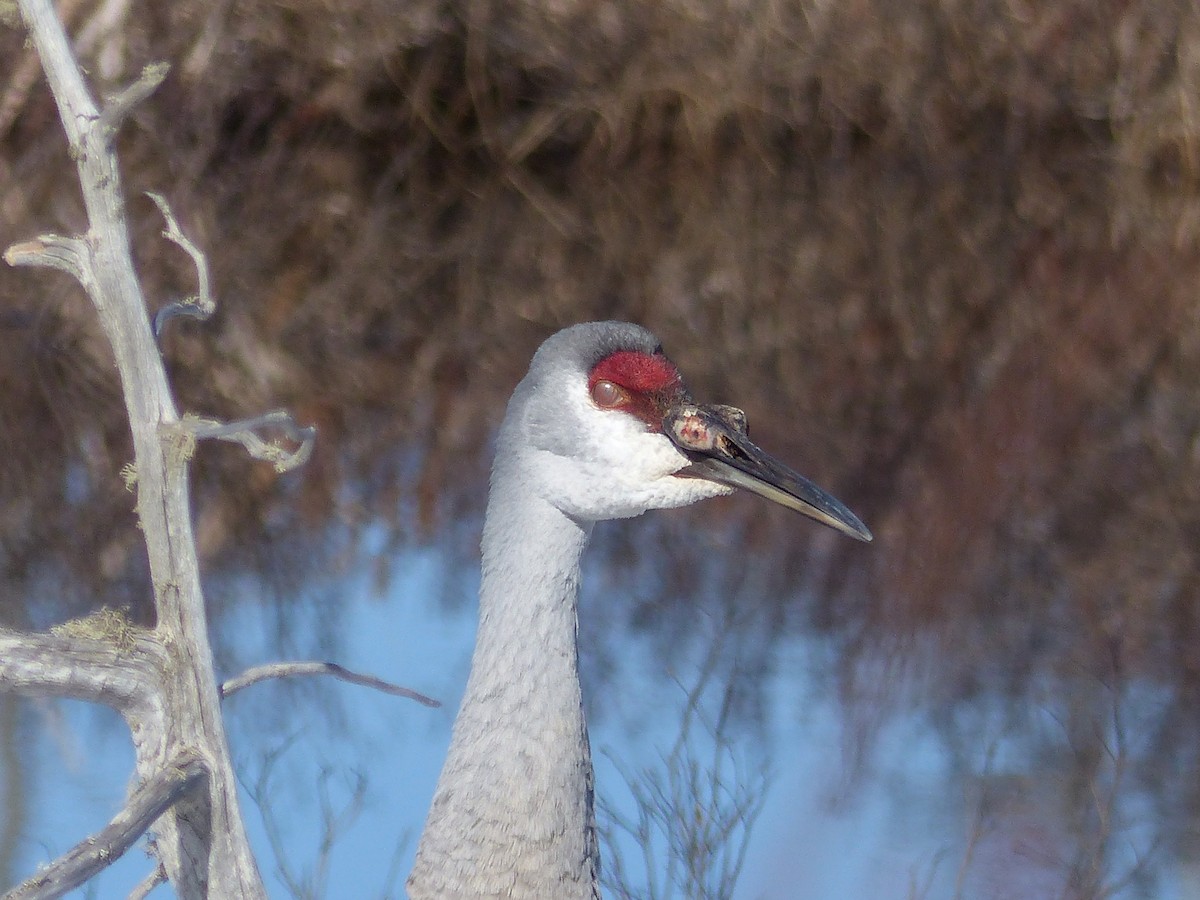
260,793
695,812
201,305
121,104
143,888
52,251
292,669
334,825
147,802
244,432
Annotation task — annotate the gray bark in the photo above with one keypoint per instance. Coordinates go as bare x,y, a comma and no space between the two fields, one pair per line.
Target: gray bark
162,681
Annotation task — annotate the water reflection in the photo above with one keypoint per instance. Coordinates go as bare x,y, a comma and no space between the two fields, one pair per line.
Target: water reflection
1060,798
1064,793
962,300
1032,739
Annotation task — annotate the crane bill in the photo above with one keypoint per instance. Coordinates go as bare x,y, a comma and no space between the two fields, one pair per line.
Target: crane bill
801,495
720,451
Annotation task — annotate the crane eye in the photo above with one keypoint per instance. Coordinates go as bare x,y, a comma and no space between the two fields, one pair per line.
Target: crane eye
607,395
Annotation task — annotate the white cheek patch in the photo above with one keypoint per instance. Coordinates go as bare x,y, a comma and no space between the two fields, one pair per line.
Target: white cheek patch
602,484
598,464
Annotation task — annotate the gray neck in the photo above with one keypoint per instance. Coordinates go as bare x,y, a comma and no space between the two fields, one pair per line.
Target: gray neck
512,814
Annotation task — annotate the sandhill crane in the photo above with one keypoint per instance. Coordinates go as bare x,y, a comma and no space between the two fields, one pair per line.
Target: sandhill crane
600,428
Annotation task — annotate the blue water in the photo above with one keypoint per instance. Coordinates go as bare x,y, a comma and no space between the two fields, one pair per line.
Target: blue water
898,820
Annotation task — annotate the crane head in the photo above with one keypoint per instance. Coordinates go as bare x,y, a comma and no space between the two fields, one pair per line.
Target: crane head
603,427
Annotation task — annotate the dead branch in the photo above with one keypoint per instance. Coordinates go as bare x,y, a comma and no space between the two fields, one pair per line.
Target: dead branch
123,102
161,680
52,251
200,840
200,306
246,433
292,669
157,794
121,673
143,888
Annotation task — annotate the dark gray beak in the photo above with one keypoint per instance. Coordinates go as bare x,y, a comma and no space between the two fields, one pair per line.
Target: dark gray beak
715,439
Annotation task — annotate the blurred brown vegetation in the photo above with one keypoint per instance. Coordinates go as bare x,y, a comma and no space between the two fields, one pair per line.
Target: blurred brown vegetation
945,253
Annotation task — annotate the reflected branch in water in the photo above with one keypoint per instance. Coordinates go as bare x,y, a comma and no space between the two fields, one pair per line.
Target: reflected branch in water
980,284
695,811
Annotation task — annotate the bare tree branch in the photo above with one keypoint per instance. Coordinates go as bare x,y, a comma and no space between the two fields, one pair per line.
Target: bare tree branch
163,681
143,888
149,800
292,669
201,305
54,252
201,840
244,432
122,104
119,672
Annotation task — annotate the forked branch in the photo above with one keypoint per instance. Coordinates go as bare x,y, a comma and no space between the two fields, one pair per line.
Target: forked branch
98,667
201,305
201,843
146,803
123,102
162,680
